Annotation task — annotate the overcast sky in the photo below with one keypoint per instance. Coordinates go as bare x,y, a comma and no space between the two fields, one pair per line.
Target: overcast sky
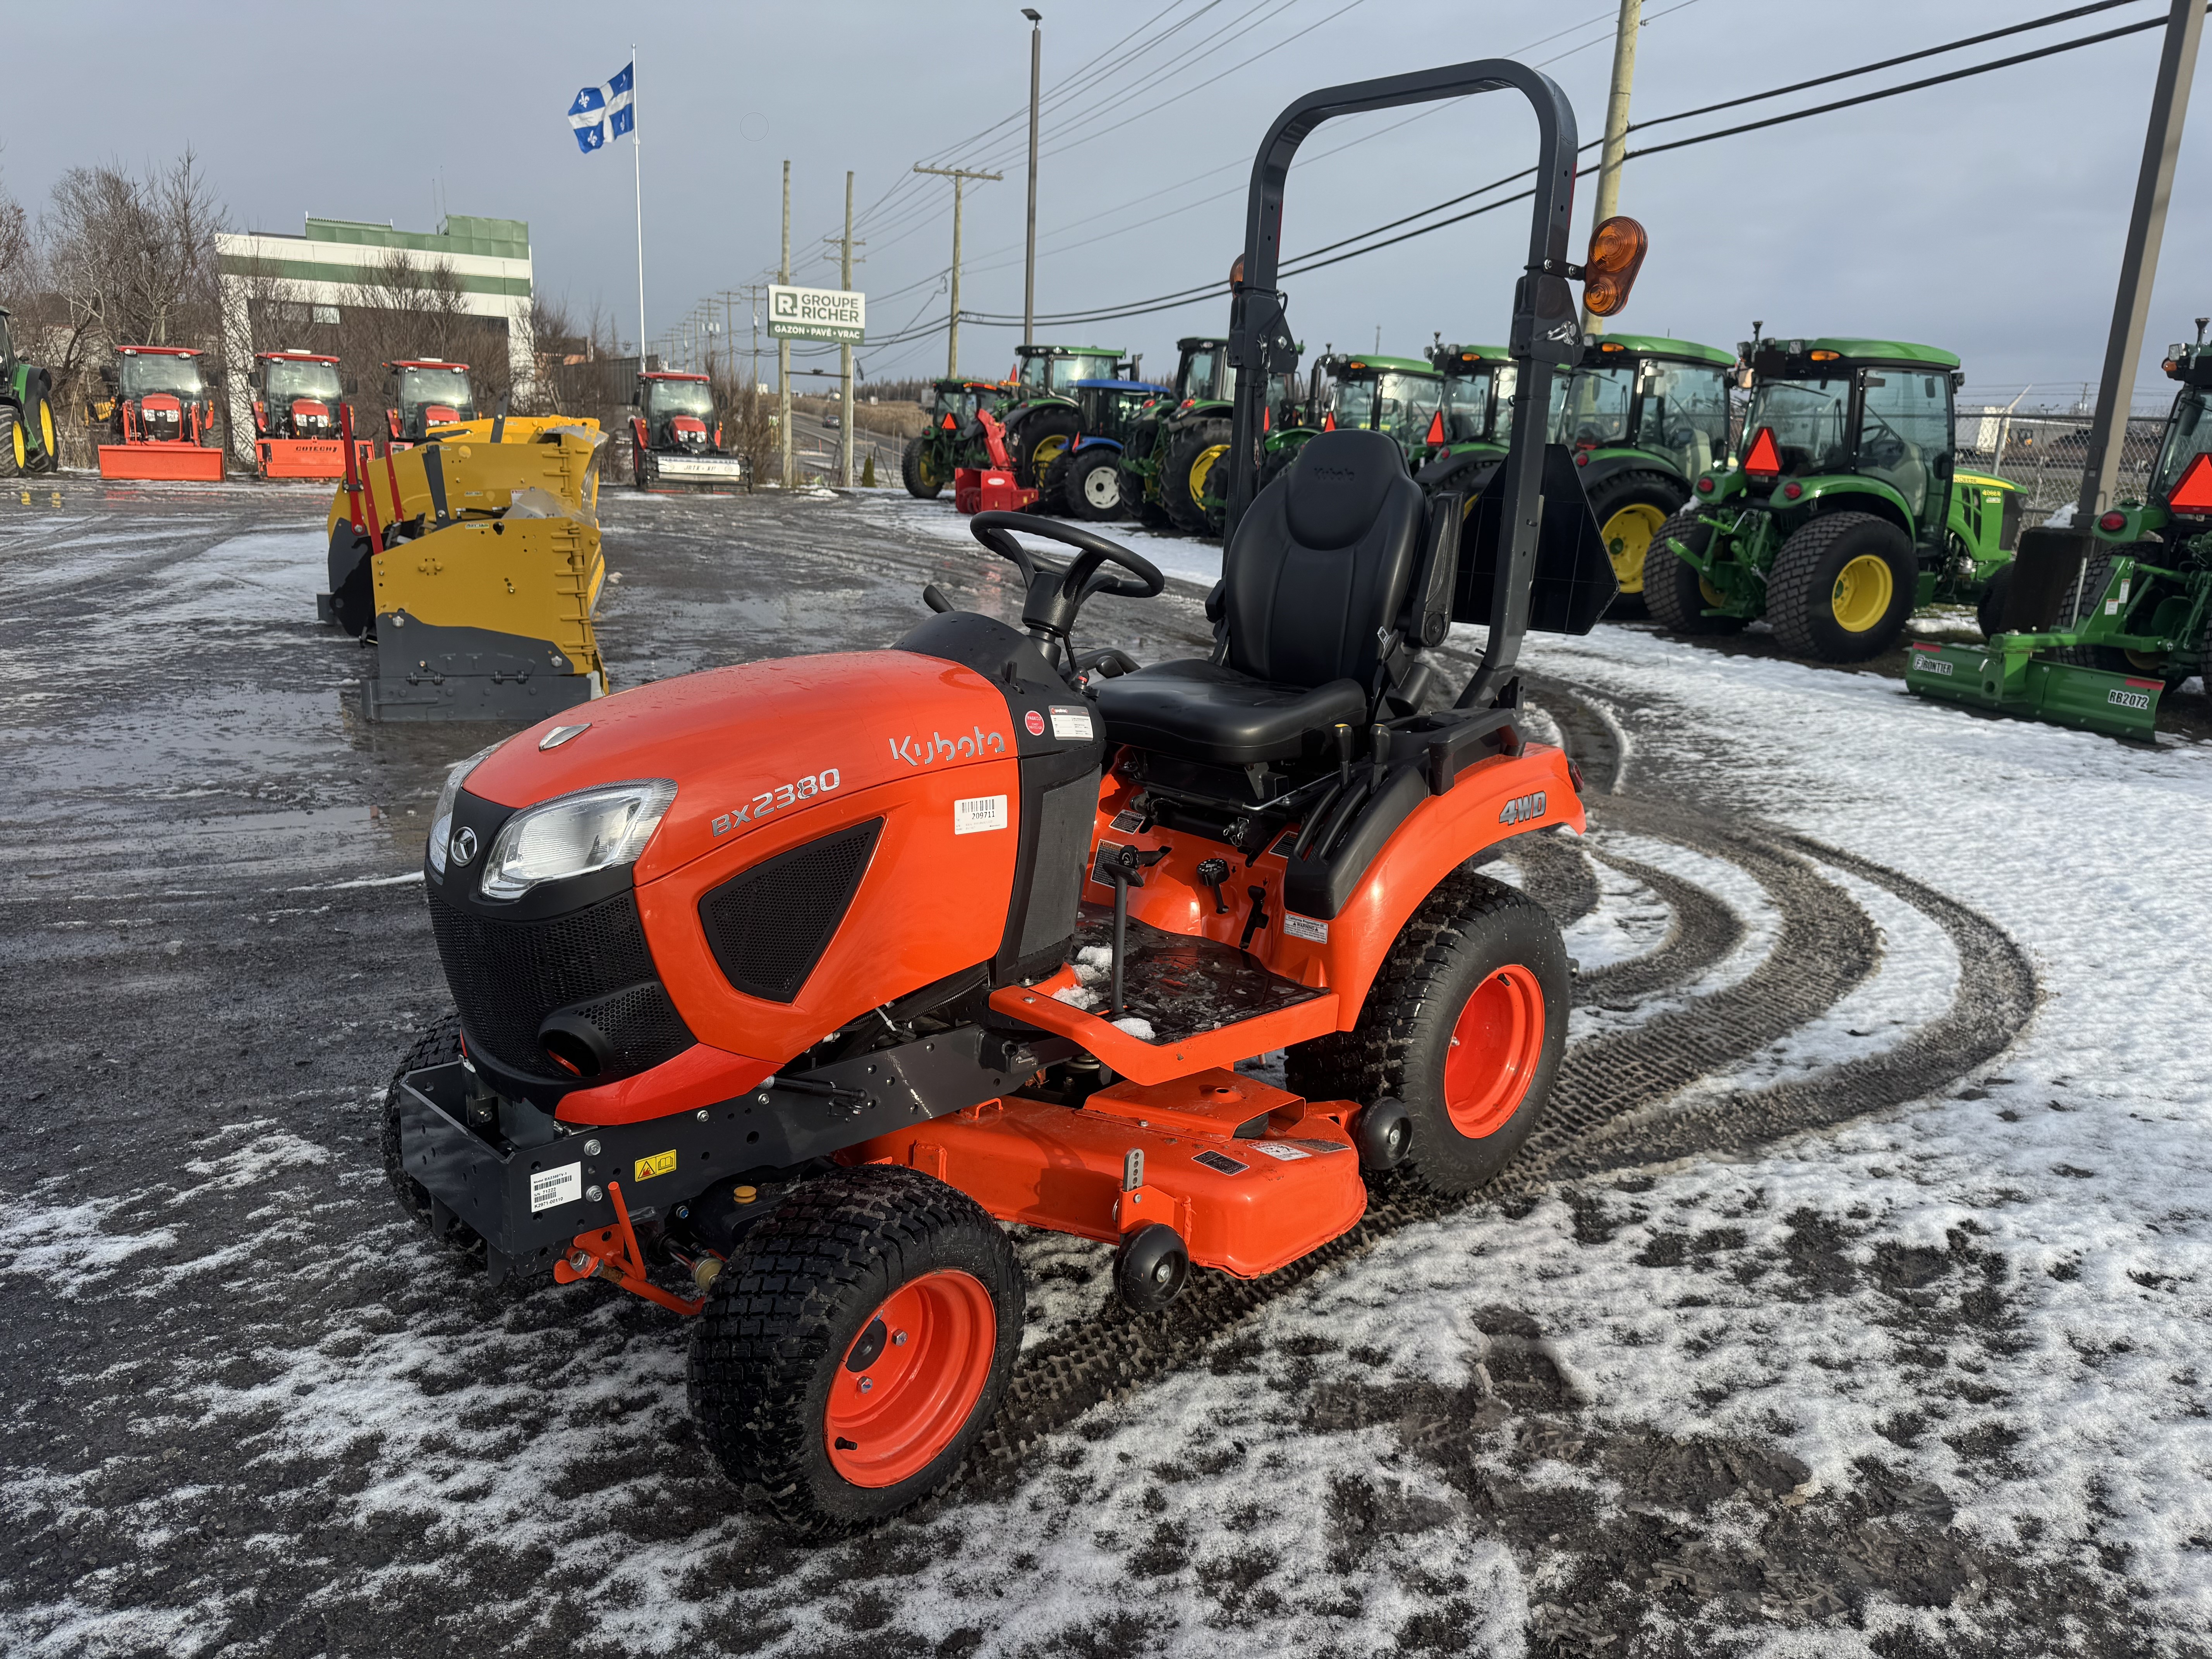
1985,216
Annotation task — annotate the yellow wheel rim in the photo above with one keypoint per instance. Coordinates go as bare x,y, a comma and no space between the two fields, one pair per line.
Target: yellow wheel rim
1202,468
1627,537
22,457
1047,451
1863,590
1712,595
46,431
2150,662
925,464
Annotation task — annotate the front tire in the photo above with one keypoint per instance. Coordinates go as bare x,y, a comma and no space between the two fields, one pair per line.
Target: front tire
1191,473
917,470
855,1346
1675,592
1464,1026
1094,483
1051,489
1842,588
15,454
438,1044
1630,509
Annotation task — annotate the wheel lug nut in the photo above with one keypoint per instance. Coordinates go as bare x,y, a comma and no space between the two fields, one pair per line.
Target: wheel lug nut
898,1339
865,1385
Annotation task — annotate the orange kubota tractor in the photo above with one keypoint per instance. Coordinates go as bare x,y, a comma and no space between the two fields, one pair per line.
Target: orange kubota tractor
783,987
426,393
161,416
296,399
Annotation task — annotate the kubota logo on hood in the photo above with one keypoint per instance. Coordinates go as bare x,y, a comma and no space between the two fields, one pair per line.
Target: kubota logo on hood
937,747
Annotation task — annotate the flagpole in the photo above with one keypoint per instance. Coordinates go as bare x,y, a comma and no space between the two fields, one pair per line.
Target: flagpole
637,179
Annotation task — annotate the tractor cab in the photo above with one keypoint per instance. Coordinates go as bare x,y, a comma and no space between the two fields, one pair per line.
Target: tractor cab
1400,396
426,392
2180,484
950,403
677,411
1470,407
1053,371
295,395
160,396
1665,399
7,352
1108,408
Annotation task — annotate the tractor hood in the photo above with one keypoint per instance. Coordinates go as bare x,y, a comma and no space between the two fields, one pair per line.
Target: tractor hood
759,741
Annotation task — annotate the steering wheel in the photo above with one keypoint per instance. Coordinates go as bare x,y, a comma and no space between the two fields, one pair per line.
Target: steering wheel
1081,579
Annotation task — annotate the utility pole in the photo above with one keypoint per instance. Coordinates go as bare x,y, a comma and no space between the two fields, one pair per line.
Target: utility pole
845,349
2169,102
1616,131
783,347
959,176
1029,259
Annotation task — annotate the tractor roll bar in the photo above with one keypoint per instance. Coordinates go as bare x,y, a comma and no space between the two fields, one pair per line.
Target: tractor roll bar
1546,327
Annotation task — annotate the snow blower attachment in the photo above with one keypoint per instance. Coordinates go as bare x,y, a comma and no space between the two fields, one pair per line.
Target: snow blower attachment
161,418
676,437
472,567
295,399
783,987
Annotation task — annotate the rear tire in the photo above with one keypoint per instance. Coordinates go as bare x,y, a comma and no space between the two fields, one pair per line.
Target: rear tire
1842,588
38,427
12,459
2096,577
1051,489
1193,458
1095,482
438,1044
1042,439
1465,1026
1990,609
812,1308
1630,508
1675,593
915,471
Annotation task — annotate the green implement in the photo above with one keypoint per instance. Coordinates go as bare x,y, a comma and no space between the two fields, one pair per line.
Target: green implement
2106,625
1843,513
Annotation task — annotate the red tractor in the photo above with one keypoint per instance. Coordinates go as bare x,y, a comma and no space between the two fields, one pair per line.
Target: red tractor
160,414
784,987
426,393
296,403
676,437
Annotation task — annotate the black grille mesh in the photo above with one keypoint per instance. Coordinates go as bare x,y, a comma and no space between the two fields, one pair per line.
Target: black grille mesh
770,925
506,976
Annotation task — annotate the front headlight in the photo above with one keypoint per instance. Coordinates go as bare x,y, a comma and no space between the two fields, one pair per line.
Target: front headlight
574,835
442,820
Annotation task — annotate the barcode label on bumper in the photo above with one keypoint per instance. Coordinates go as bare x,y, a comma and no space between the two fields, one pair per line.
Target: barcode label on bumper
549,1187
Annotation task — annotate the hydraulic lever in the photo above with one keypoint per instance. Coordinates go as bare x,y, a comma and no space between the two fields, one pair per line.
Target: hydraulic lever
1214,872
1121,866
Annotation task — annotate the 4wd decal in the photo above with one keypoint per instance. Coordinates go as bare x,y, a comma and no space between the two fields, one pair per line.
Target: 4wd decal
927,751
775,800
1522,809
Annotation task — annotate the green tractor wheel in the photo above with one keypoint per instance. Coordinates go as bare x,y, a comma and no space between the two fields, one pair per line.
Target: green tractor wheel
918,470
41,425
1052,484
1041,440
12,456
1192,472
1630,509
2096,576
1675,592
1842,587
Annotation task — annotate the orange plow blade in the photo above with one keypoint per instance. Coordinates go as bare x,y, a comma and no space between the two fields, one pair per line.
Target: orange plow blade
161,463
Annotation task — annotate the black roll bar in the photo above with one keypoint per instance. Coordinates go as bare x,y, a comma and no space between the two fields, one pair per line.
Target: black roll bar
1546,326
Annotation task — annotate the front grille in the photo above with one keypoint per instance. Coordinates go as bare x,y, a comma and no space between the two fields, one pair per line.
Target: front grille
770,925
506,976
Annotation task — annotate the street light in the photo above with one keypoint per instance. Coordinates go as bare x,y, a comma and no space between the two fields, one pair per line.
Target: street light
1029,259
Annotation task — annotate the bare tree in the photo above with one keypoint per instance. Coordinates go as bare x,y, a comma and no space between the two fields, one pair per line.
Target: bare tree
15,242
135,258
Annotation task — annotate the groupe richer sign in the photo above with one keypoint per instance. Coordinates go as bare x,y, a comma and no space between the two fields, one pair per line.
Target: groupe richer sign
817,314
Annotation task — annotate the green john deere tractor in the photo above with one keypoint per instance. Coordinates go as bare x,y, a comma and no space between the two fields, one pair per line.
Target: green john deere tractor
1085,479
1842,514
948,407
1175,444
27,442
2133,601
1642,416
1044,420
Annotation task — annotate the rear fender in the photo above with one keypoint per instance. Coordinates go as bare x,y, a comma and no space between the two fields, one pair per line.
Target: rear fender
1114,444
1849,492
1604,464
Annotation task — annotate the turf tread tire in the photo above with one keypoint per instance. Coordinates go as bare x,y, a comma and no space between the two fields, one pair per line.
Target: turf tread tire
783,1313
8,420
1462,920
1797,603
437,1043
1672,596
2096,577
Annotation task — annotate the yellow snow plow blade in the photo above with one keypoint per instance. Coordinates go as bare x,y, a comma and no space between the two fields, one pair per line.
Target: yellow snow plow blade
470,472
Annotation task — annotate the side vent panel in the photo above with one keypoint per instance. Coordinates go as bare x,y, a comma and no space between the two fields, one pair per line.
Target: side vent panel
768,925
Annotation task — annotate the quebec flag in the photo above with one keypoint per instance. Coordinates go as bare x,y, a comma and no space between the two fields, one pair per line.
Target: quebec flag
603,113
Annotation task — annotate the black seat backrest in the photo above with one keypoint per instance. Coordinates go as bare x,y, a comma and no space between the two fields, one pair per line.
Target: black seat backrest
1320,566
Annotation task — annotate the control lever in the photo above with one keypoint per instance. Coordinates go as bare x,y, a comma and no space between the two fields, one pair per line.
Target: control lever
1257,919
1121,866
1378,737
1212,872
1343,755
935,599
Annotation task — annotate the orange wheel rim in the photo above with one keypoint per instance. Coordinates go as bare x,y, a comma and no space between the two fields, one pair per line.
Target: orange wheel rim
1495,1046
901,1393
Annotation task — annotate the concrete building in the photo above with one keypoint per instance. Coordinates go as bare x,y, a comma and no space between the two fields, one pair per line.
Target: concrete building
332,264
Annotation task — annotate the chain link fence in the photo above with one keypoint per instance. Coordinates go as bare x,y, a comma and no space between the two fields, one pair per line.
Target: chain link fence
2044,454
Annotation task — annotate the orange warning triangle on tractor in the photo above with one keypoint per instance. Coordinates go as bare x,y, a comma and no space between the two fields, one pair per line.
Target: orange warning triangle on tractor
948,423
1329,422
1436,428
2194,493
1765,460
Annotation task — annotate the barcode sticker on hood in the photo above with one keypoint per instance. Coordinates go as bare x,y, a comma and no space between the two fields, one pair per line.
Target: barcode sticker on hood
971,817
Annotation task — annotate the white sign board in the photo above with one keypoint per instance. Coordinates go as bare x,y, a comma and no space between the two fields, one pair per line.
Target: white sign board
817,314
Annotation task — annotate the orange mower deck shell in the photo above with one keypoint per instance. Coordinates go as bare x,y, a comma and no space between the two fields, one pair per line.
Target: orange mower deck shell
162,462
1246,1206
767,756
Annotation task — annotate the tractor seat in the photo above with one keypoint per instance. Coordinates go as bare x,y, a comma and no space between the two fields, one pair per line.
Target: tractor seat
1315,576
